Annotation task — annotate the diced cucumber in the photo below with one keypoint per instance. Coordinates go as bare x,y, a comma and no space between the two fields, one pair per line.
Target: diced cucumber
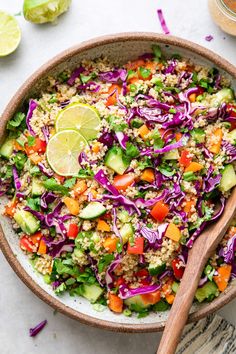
232,136
37,187
225,95
198,135
136,301
207,292
228,179
7,148
156,269
91,292
92,210
116,160
171,155
27,222
123,216
126,232
175,286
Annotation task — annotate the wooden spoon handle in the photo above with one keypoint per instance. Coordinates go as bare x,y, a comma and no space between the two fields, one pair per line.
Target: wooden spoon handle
183,301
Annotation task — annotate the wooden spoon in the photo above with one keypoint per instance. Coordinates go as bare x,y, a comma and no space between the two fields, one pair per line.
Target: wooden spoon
202,249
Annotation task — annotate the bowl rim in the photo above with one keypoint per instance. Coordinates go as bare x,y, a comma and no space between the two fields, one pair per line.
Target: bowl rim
14,104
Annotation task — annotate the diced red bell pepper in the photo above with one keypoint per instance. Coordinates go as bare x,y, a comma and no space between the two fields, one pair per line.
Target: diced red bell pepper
119,281
26,244
123,182
137,248
159,211
177,268
39,147
73,231
185,159
142,273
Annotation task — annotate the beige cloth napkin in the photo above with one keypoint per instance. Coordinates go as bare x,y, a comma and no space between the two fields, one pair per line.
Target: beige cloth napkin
211,335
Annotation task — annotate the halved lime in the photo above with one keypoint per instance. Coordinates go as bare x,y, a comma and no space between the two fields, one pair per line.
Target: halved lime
10,34
41,11
63,151
81,117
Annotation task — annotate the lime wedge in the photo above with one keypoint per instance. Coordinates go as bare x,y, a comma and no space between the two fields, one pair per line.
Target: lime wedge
10,34
63,151
42,11
81,117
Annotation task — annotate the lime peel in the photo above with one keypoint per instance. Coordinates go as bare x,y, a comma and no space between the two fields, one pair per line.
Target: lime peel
63,152
10,34
81,117
42,11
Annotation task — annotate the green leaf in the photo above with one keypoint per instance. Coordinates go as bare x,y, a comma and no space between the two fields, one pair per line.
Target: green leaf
17,122
104,262
145,162
209,272
85,173
161,306
31,140
19,160
86,78
119,247
34,203
35,171
69,183
166,170
136,123
157,51
131,150
145,73
52,185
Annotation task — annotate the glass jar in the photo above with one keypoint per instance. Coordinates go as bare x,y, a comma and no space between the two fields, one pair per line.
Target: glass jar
223,13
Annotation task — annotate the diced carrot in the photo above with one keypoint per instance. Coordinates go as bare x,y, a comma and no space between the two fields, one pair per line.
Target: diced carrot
96,147
115,303
167,287
110,244
42,247
223,276
178,136
133,80
133,65
188,205
112,99
173,232
216,140
143,132
94,193
103,226
151,298
151,65
35,158
170,298
194,167
72,205
10,208
18,147
148,175
192,97
80,187
36,238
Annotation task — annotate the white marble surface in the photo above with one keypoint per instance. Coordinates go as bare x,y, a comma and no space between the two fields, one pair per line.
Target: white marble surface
19,308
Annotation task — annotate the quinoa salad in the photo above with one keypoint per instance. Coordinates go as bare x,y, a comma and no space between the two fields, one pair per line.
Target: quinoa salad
113,171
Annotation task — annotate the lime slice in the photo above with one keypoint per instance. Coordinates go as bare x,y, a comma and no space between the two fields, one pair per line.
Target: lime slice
81,117
41,11
63,151
10,34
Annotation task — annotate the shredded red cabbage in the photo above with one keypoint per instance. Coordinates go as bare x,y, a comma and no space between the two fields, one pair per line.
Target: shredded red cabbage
162,22
122,139
182,142
109,278
106,139
34,331
113,76
209,38
32,107
17,181
228,252
44,170
126,293
75,74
